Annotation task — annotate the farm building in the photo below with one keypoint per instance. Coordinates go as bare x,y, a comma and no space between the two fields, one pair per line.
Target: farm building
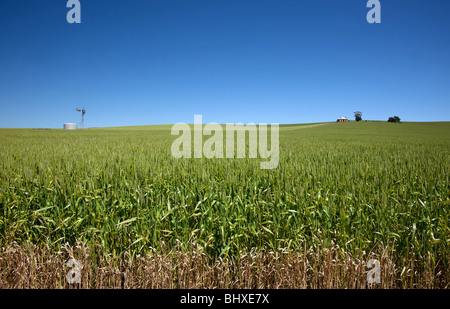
342,119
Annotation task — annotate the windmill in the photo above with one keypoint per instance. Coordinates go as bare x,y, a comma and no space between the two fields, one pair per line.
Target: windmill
83,111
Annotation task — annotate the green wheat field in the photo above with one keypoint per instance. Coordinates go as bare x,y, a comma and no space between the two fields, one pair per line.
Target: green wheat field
116,199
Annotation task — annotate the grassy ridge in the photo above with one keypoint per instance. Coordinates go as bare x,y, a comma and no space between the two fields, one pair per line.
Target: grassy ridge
357,185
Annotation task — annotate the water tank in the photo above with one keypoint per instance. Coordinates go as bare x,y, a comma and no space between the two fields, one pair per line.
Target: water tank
70,126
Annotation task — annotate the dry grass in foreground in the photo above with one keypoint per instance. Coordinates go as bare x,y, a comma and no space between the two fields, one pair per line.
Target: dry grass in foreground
30,267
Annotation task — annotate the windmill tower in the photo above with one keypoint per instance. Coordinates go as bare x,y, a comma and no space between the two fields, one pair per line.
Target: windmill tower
83,111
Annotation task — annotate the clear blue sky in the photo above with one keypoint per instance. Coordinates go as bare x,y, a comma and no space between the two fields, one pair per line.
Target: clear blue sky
162,61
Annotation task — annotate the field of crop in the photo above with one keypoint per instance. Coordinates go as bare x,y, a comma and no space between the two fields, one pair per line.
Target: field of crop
116,200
